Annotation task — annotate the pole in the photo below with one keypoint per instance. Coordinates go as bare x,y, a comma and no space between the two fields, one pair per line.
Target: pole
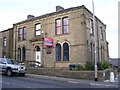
95,41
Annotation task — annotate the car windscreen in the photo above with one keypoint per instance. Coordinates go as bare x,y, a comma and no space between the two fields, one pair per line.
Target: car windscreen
9,61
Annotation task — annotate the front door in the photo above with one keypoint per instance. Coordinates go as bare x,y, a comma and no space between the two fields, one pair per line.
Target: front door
38,56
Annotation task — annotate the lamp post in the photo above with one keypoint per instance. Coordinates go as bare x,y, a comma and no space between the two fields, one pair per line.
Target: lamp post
95,41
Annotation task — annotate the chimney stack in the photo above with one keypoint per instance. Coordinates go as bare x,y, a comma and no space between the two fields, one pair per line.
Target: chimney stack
30,16
59,8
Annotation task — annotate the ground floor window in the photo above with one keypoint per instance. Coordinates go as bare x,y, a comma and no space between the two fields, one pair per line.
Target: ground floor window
19,54
58,52
23,54
65,52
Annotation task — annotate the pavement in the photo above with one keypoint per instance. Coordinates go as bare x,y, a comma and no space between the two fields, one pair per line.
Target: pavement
105,83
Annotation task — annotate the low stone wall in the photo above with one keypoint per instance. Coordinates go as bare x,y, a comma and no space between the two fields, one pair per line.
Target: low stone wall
66,73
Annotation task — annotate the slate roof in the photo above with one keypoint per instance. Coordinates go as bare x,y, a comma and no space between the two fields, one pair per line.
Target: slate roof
57,12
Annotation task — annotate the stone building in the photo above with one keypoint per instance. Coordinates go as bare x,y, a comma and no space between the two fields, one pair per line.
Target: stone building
6,43
59,38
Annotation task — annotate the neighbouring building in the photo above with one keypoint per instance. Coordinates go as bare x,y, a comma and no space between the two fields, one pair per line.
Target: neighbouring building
60,38
6,43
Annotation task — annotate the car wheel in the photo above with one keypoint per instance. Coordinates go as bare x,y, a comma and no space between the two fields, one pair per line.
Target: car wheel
9,72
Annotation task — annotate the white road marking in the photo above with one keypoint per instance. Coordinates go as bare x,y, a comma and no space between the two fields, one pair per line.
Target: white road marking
4,82
95,84
73,82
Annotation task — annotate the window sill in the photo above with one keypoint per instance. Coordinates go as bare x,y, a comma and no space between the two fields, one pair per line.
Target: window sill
61,35
37,38
22,40
62,61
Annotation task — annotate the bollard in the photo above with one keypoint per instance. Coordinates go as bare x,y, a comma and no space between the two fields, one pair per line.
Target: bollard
112,77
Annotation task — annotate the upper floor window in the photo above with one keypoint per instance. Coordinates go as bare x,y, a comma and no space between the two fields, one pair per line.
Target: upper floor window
91,26
38,29
101,33
57,26
24,33
19,34
4,42
65,25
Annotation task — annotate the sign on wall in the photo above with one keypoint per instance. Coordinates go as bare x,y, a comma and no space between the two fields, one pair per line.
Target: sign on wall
48,42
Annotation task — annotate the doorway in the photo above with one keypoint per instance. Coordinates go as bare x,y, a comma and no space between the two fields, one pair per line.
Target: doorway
38,56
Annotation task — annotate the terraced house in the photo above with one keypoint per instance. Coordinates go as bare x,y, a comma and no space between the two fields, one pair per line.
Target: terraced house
59,38
6,43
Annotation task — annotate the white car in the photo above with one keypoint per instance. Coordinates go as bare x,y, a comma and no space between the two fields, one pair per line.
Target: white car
8,67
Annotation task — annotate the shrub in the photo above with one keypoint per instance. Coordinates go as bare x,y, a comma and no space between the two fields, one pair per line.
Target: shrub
89,65
100,67
103,65
80,67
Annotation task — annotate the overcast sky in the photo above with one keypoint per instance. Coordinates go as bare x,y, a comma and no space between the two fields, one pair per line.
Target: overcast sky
13,11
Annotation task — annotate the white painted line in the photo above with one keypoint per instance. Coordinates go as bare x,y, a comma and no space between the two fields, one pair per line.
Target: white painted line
28,87
107,81
4,82
73,82
94,84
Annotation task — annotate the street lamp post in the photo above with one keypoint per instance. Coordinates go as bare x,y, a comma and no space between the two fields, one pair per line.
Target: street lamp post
95,41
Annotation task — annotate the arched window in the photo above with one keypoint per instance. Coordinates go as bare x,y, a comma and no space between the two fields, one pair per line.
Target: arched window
37,48
23,54
19,54
58,52
65,52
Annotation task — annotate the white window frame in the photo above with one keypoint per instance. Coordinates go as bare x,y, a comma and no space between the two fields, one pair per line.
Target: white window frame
38,29
4,42
91,26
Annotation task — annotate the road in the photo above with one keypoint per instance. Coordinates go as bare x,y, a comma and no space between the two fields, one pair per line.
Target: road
40,82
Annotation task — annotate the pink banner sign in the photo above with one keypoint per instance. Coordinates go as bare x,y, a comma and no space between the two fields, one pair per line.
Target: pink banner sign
48,42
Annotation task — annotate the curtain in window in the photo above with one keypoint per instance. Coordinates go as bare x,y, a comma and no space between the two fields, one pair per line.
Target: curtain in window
57,26
65,25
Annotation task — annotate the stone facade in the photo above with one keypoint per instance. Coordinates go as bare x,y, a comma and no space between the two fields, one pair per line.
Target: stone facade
72,33
6,43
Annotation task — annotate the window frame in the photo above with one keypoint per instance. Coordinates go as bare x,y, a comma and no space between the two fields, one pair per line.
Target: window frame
91,26
20,34
101,33
65,26
24,33
58,26
58,52
4,41
37,30
66,52
23,54
19,55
